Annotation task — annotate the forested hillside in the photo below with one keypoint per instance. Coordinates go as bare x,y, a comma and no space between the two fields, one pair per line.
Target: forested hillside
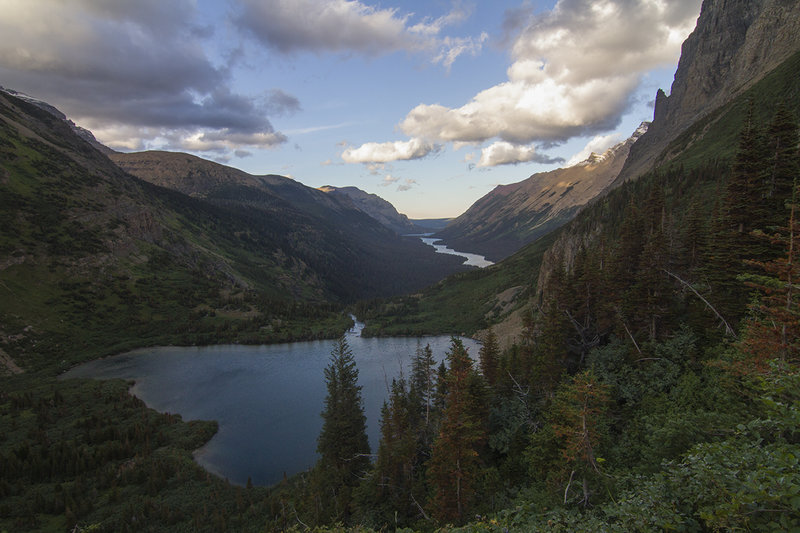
655,386
639,370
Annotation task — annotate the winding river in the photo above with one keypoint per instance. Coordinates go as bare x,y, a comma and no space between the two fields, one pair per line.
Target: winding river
471,259
266,399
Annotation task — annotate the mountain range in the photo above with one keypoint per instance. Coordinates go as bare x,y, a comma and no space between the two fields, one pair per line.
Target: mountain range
106,245
514,215
741,61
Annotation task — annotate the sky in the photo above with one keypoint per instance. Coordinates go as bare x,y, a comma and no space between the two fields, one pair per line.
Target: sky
429,104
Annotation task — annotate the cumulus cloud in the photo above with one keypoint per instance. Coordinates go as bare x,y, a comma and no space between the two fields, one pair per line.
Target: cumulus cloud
139,64
505,153
598,145
389,151
351,26
574,72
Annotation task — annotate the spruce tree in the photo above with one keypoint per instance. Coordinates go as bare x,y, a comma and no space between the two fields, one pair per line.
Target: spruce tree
455,463
774,326
423,379
343,445
397,454
783,164
489,355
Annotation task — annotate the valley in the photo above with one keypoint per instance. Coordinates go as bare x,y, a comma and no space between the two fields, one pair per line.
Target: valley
616,349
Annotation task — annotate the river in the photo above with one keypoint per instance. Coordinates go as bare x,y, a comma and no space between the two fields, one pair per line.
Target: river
266,399
471,259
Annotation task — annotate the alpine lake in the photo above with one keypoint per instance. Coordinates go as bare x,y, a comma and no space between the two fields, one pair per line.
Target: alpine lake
266,399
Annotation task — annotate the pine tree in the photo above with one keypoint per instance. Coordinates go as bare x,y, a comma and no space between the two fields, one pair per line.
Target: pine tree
783,165
744,205
742,210
395,467
577,416
774,328
488,356
343,445
455,462
423,379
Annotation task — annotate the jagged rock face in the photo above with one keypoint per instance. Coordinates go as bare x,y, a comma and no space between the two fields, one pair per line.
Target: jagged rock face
735,43
375,206
513,215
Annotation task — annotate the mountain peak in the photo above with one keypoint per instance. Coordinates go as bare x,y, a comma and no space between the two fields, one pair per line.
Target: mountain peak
595,158
735,43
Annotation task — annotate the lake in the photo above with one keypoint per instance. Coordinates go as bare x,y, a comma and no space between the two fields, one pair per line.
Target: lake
266,399
471,259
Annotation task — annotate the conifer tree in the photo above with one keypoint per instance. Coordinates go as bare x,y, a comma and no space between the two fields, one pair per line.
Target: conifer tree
774,328
395,467
488,356
577,418
343,445
742,210
455,462
783,164
744,195
423,380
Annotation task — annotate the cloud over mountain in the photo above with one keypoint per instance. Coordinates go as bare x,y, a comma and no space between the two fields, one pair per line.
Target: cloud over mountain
574,71
505,153
389,151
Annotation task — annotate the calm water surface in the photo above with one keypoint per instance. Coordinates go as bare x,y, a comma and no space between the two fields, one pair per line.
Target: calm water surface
267,399
471,259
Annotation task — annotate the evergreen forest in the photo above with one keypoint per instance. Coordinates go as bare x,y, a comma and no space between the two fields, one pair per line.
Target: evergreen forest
656,387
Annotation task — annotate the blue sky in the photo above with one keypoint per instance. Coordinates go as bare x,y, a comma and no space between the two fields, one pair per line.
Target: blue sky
429,104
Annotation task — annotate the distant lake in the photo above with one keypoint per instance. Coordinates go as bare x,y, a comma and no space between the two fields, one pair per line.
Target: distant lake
266,399
471,259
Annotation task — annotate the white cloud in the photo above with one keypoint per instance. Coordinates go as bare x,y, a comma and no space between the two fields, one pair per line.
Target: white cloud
574,71
598,145
505,153
325,26
223,141
389,151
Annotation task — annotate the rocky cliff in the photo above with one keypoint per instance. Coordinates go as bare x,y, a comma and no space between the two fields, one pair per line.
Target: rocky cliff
513,215
735,43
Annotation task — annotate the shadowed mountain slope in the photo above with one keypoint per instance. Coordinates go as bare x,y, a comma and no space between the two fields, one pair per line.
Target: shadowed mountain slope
513,215
93,259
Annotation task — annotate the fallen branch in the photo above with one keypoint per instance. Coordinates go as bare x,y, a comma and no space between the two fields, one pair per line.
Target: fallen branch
728,328
566,490
421,510
631,336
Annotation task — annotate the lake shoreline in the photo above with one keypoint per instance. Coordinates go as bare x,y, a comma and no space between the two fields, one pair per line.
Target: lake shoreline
264,428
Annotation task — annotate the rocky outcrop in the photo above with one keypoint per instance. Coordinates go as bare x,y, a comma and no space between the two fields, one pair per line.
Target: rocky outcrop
513,215
735,43
375,206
